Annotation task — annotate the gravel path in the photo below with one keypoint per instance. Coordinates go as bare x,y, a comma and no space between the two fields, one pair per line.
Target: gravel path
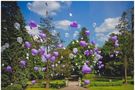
73,85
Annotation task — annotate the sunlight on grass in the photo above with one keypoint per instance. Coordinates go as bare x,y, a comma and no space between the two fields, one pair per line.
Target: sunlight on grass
124,87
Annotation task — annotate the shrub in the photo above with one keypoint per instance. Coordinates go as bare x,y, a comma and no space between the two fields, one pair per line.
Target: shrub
13,87
53,84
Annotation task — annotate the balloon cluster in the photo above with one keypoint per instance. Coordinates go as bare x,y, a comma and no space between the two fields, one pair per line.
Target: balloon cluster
115,41
88,53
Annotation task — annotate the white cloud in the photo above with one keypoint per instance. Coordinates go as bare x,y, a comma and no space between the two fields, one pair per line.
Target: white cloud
106,28
41,7
63,24
33,31
108,25
76,33
94,25
66,35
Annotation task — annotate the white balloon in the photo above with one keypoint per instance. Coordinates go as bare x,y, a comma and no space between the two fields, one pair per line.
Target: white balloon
20,40
17,25
6,45
70,14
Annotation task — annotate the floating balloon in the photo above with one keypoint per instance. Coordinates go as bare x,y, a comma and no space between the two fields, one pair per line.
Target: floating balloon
52,65
9,69
17,25
7,45
43,69
27,44
56,54
34,52
52,59
20,40
75,50
87,32
83,43
60,46
32,24
22,63
86,82
33,81
36,69
70,14
43,59
114,38
86,53
74,24
116,44
42,35
41,50
86,69
47,56
91,52
111,55
93,42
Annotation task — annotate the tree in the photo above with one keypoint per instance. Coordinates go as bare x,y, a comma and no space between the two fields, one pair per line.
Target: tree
83,36
13,28
126,29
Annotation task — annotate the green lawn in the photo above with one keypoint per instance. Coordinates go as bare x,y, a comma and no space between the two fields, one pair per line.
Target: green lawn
124,87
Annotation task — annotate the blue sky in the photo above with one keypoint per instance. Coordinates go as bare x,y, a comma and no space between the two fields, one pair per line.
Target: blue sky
99,17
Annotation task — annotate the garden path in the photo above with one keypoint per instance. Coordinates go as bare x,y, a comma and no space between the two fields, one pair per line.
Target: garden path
73,85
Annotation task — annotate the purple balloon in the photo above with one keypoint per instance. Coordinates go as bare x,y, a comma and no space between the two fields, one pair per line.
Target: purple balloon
86,82
43,58
9,69
41,50
86,69
47,56
33,81
87,62
99,62
114,38
34,52
86,53
111,55
52,59
87,32
116,44
42,35
43,69
27,44
96,50
32,24
74,24
75,50
36,69
83,43
22,63
60,45
91,52
93,42
56,54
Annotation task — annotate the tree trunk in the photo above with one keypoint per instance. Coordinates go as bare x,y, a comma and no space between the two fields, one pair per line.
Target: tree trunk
125,67
47,74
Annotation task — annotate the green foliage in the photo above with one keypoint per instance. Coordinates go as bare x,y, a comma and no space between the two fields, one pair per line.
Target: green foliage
11,56
53,84
13,87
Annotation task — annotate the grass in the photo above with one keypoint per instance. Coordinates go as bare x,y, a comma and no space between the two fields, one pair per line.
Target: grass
40,89
123,87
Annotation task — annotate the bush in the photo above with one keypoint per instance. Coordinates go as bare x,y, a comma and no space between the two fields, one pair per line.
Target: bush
53,84
13,87
103,83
